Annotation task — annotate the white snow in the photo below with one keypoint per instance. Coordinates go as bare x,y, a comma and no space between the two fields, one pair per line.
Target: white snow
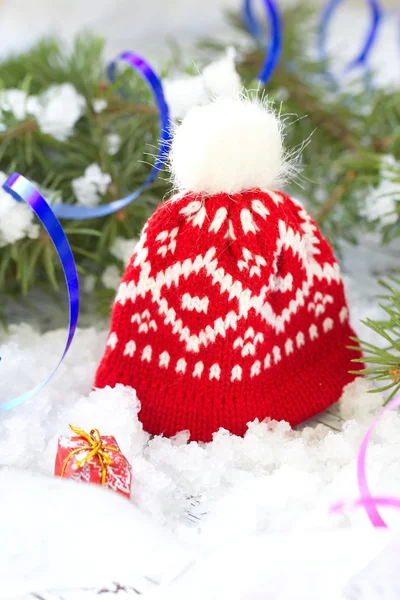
123,249
111,277
217,79
60,108
17,220
99,104
207,496
381,203
75,535
273,479
273,488
301,565
56,110
113,143
89,188
183,93
74,541
18,103
274,483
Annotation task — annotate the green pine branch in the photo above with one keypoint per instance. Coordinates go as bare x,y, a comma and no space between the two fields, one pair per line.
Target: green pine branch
383,364
53,164
349,133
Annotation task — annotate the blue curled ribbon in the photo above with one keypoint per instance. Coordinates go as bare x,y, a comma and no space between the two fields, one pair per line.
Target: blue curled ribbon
274,50
361,59
68,211
22,190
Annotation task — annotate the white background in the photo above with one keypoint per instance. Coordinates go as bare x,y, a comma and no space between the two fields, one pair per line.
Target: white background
137,25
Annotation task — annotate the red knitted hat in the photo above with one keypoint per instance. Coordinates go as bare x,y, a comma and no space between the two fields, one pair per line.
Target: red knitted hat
232,307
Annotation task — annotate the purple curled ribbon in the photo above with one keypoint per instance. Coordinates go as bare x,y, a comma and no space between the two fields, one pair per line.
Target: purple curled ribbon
365,494
366,500
22,190
361,59
368,503
139,64
274,51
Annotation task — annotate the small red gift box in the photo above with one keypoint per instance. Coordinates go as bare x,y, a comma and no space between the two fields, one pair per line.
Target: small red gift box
95,459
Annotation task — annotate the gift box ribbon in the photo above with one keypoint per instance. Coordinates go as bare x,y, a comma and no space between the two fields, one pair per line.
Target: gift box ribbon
94,448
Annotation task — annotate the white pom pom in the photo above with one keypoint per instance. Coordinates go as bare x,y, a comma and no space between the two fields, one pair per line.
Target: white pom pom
230,145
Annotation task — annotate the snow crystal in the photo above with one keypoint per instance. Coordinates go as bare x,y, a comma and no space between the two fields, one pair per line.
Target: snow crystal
16,218
88,283
210,496
217,79
381,203
89,188
18,103
51,550
221,78
88,538
113,143
273,479
56,110
123,249
99,104
111,277
60,108
319,565
184,93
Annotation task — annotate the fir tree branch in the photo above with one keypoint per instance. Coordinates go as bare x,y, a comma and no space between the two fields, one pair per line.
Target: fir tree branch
335,196
384,362
29,126
326,119
349,134
116,106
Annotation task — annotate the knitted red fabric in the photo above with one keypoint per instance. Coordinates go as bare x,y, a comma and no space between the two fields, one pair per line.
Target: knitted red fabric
231,309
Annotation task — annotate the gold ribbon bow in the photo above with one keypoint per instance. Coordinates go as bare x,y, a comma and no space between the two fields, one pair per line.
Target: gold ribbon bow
94,448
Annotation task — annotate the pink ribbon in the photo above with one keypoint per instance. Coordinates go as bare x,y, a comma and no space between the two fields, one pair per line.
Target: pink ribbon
366,499
370,503
367,503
